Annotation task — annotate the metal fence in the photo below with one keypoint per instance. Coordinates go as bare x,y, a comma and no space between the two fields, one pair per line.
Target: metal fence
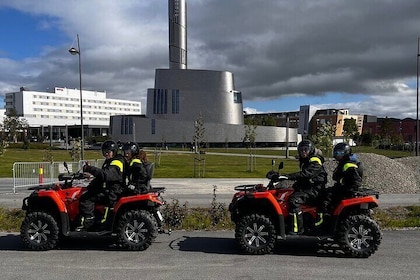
28,174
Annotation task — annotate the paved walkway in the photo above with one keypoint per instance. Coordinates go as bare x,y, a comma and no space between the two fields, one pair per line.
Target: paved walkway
198,192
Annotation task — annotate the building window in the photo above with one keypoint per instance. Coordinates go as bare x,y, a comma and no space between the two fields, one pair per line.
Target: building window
160,101
153,126
237,97
175,101
126,125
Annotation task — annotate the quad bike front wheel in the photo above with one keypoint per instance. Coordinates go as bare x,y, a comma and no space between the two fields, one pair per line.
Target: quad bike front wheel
359,236
136,230
39,231
255,234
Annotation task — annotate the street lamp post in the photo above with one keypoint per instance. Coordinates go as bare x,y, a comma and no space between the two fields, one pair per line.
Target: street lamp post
74,51
417,108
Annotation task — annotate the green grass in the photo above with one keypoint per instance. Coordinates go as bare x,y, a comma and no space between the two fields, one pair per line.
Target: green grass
168,165
11,219
399,217
182,164
12,155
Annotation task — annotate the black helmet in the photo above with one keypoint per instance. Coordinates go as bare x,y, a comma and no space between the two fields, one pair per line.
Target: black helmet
341,149
132,147
306,146
108,146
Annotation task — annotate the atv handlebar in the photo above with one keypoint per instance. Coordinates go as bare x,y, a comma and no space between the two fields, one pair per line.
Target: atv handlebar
72,176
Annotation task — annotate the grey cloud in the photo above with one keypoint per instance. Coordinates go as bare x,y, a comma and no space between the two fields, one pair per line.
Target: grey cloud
274,48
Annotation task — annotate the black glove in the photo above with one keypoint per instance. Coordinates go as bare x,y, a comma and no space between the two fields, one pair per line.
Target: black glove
291,176
271,174
86,168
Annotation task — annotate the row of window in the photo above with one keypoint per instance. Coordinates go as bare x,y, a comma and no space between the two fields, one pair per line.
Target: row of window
160,100
35,103
127,126
107,113
43,97
65,117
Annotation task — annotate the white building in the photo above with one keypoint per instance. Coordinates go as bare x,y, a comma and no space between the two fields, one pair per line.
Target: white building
60,111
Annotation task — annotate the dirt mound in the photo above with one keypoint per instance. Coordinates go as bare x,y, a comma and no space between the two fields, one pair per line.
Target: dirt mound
386,175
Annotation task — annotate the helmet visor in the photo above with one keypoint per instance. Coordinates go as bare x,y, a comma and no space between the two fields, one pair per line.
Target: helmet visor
338,153
106,152
304,149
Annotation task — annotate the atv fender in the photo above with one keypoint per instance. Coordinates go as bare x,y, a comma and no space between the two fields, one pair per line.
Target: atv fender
55,200
148,199
139,201
271,200
365,202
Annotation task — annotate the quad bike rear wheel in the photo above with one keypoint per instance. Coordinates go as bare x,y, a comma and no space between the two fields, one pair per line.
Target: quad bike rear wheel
136,230
359,236
39,231
255,234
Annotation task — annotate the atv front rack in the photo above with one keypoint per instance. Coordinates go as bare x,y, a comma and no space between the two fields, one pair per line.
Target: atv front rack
249,188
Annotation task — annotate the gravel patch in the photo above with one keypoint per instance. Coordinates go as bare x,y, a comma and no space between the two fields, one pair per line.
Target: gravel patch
386,175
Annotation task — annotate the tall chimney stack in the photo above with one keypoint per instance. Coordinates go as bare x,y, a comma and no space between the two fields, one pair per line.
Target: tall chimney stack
177,34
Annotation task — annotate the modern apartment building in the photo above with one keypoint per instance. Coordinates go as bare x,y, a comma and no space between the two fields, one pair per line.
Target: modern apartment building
55,115
391,127
309,119
336,117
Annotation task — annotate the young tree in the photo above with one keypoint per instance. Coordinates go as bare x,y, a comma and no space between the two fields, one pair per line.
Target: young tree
323,138
250,136
199,132
386,132
350,129
268,121
249,141
199,136
13,124
366,138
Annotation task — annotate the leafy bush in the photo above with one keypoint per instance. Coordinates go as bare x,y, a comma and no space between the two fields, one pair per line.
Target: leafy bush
217,217
11,219
178,216
174,214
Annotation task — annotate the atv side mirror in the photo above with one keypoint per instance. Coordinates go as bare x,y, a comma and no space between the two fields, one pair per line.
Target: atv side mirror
273,162
281,165
66,167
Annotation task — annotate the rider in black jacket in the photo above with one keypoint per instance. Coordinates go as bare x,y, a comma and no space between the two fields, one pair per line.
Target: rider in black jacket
347,176
106,187
310,181
136,172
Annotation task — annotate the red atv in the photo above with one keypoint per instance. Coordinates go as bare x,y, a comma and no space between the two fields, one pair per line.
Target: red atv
261,216
52,213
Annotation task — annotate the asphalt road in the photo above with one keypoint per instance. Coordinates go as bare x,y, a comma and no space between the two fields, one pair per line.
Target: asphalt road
208,255
197,192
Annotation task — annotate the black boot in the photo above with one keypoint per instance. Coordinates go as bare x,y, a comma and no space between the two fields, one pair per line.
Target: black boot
323,224
86,223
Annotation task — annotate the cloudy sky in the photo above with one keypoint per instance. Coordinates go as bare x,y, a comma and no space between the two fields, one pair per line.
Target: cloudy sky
353,54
